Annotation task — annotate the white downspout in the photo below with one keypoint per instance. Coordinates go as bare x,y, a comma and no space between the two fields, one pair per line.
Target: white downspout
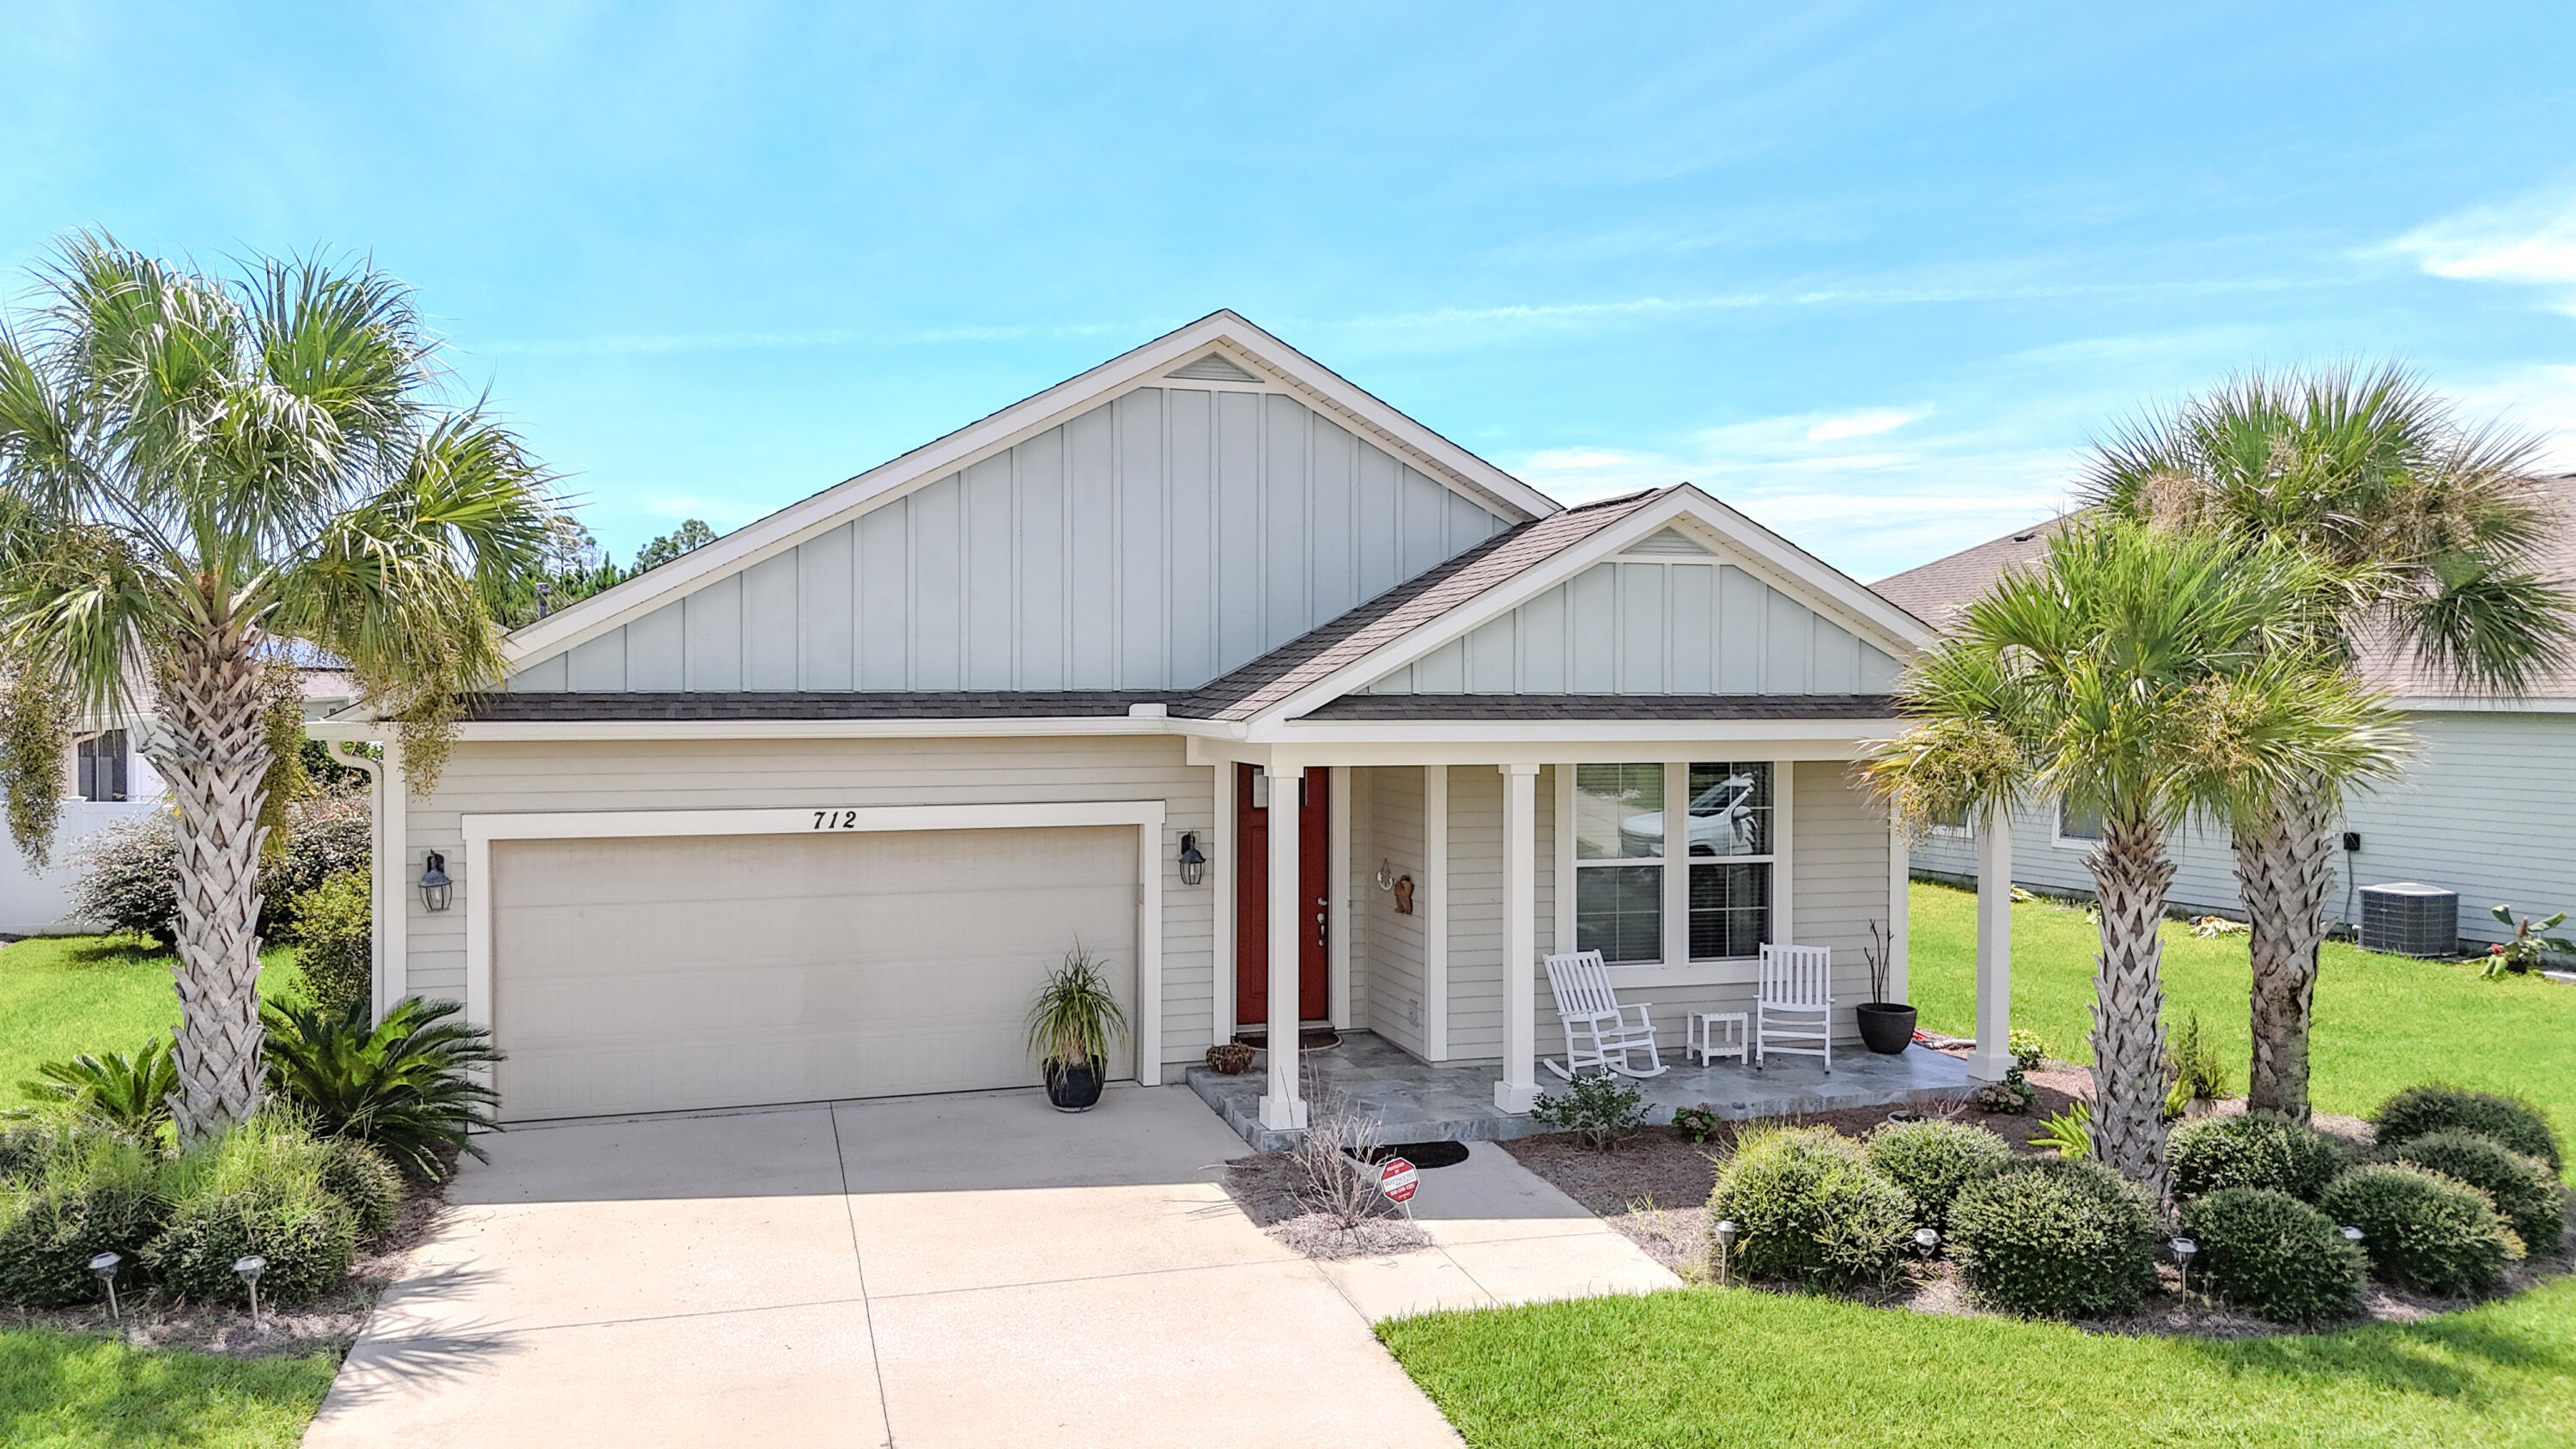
380,867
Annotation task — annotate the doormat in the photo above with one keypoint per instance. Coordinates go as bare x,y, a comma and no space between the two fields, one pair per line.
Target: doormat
1312,1039
1424,1155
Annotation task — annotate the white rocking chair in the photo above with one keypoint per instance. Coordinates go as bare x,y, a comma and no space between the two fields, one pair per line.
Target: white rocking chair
1599,1032
1795,1004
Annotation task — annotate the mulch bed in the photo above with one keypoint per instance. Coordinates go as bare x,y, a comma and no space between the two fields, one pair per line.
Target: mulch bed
329,1323
1654,1187
1265,1186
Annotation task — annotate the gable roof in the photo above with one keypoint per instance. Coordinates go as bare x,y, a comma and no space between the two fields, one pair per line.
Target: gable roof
1937,591
1207,349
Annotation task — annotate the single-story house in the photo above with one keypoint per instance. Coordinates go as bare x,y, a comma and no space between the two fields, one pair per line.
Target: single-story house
2477,810
1205,661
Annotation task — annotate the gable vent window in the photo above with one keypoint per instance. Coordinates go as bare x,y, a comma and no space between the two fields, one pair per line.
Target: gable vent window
102,766
1670,542
1215,367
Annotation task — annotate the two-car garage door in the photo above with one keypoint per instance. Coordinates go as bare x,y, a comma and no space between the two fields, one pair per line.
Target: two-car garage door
668,972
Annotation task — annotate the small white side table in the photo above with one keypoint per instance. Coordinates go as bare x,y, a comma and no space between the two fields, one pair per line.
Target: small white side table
1700,1035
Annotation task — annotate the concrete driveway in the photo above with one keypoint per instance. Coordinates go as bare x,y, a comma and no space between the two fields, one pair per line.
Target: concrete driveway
973,1270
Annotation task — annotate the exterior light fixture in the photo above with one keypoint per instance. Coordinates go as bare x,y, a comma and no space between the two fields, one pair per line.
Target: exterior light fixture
1925,1240
248,1270
1726,1233
2183,1249
1193,862
105,1265
436,891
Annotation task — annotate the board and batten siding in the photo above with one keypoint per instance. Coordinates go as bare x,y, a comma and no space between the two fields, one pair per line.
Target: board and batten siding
1655,626
532,776
1155,542
2481,809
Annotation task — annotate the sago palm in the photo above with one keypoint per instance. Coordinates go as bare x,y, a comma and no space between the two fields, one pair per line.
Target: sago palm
194,469
2147,674
2432,532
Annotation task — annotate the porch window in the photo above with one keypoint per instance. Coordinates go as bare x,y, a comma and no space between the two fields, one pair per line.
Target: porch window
2077,825
1731,860
1618,861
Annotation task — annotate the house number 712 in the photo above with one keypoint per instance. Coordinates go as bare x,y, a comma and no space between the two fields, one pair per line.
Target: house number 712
836,820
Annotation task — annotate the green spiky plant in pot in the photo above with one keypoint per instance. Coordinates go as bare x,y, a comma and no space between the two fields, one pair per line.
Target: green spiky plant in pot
1072,1025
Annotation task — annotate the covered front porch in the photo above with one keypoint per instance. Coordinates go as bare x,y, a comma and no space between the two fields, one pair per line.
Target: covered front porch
1443,880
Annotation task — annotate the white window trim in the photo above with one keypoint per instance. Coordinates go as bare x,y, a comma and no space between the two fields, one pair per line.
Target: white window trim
1146,815
1783,779
1660,862
2057,835
1676,968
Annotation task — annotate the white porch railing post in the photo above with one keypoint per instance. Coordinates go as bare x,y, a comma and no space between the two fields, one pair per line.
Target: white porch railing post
1993,1057
1519,1083
1282,1109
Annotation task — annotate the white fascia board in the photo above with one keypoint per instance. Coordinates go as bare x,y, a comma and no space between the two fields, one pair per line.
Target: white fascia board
1682,504
792,729
1587,742
1142,366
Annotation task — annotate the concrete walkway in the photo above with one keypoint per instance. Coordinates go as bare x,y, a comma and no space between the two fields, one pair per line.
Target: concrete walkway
972,1270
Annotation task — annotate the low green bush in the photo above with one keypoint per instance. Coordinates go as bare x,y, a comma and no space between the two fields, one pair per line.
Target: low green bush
1812,1209
97,1194
2526,1194
2421,1228
2274,1255
1932,1161
2252,1149
2055,1238
404,1085
361,1178
334,937
257,1190
1597,1107
2425,1110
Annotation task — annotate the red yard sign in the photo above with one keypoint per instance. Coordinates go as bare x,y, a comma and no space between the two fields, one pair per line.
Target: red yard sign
1396,1179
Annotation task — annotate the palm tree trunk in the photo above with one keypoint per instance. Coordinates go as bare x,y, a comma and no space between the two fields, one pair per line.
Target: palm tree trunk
214,752
2130,874
2284,872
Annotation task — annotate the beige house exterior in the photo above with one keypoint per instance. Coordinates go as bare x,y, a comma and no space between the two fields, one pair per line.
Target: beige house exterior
808,813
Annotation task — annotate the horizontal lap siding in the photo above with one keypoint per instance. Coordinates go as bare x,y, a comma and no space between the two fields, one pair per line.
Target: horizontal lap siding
493,778
1476,904
2481,810
1394,1001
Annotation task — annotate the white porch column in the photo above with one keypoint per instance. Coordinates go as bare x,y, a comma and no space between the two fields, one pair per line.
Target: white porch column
1993,1056
1282,1109
1431,903
1519,1083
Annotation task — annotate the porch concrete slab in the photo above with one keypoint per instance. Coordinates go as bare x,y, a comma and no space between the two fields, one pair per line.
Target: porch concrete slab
803,1375
918,1242
1263,1354
1418,1101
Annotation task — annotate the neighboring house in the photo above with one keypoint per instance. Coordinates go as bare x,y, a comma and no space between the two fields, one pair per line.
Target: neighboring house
809,812
105,779
2480,808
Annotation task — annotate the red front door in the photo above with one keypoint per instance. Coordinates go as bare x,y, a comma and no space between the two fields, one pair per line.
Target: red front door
1252,896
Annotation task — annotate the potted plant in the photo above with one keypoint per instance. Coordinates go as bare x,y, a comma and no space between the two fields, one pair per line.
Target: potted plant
1886,1027
1070,1029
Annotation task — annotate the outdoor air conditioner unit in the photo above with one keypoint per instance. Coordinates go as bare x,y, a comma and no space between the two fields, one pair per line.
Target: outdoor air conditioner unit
2406,919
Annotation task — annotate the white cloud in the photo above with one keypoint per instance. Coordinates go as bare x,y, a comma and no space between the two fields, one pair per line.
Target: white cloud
1865,423
2530,241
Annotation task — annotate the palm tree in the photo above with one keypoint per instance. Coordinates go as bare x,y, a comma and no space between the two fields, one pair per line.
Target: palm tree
2147,674
2431,530
195,470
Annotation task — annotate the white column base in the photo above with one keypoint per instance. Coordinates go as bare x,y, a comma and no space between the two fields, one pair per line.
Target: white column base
1283,1114
1513,1097
1985,1066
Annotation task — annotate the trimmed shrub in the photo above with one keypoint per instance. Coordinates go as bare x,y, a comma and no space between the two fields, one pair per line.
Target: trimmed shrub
2425,1110
326,835
257,1190
1597,1107
1812,1209
2055,1237
2254,1149
335,940
2526,1194
361,1178
2274,1255
97,1194
1932,1161
2421,1228
128,877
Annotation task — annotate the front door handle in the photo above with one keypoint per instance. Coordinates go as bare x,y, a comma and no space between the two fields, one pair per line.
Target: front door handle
1319,928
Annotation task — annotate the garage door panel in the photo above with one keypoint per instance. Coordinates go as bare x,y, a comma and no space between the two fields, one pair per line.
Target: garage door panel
667,973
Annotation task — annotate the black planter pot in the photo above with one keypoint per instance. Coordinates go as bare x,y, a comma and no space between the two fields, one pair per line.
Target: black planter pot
1886,1027
1075,1088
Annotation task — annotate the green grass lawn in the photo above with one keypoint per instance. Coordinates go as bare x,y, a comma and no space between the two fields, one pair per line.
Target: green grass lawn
1734,1367
63,995
64,1391
2382,1022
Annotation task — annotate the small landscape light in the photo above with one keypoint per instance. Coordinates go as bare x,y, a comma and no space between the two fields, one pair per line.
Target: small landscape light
2352,1235
1193,863
105,1266
1925,1240
248,1270
2183,1249
436,890
1726,1233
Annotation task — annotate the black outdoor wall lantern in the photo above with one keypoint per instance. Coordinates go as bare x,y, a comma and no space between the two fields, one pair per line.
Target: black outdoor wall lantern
436,890
1193,864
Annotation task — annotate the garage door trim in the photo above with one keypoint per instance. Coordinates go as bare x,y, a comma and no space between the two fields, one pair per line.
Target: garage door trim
1145,815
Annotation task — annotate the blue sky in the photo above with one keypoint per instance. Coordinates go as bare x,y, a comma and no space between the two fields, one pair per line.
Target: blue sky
1874,273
